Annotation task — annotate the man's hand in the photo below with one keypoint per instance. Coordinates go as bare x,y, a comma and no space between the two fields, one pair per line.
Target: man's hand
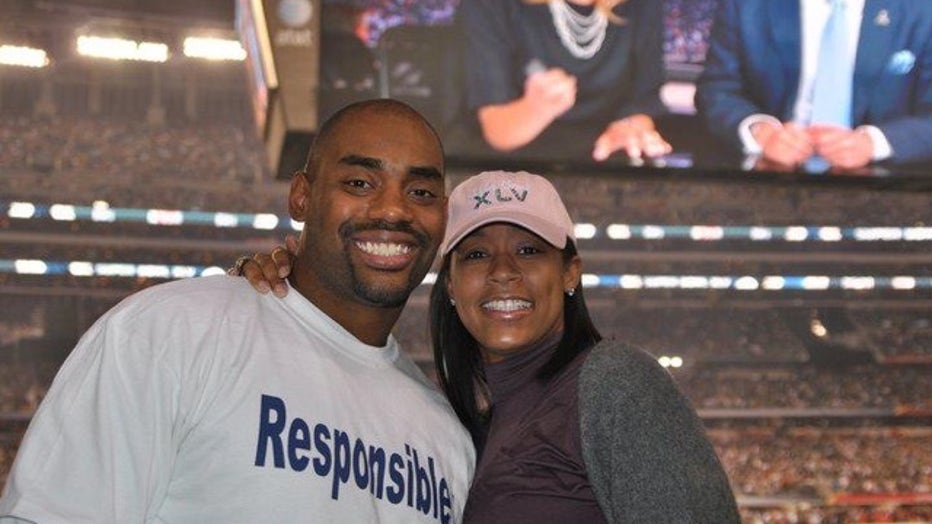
841,147
784,145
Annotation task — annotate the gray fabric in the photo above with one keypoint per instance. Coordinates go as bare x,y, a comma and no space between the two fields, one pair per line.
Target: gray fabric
645,449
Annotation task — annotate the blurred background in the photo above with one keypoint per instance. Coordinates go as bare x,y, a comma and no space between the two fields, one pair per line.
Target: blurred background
144,141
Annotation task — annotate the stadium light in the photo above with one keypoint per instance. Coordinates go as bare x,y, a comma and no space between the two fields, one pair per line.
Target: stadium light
917,234
23,56
122,49
747,283
184,271
706,233
101,212
80,268
213,49
652,232
631,282
30,267
21,210
817,328
618,232
670,362
903,282
584,231
760,233
225,220
796,234
63,212
816,282
265,221
830,234
773,282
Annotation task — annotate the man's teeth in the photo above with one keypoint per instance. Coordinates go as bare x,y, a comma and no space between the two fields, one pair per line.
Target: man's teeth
384,249
507,305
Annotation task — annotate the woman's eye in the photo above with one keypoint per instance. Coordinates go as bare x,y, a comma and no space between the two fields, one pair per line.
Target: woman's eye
528,250
473,255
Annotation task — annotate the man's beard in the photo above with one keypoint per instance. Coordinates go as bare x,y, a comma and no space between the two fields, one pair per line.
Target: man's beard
373,293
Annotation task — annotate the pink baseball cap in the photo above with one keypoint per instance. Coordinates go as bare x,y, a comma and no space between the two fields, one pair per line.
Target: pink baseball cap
519,198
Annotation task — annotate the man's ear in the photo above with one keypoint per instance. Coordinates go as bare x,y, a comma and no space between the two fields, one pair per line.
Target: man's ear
298,196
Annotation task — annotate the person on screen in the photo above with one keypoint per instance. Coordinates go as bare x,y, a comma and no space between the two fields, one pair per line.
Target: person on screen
847,81
200,400
578,78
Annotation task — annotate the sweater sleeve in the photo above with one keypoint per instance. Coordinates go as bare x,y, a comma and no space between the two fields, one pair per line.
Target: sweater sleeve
644,447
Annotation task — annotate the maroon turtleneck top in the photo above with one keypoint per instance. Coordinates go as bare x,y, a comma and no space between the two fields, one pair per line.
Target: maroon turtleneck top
532,469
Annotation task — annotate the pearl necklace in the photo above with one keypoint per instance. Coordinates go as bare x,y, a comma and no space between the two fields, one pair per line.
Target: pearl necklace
581,35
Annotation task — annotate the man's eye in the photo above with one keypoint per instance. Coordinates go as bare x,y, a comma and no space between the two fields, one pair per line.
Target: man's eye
358,184
423,193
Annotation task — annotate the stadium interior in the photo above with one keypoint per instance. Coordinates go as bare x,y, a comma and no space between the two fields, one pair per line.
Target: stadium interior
795,311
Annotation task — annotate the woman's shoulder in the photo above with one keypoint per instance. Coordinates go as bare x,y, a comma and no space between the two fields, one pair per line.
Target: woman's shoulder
616,369
609,355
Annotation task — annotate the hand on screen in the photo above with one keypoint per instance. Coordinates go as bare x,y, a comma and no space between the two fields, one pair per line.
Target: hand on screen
551,92
636,135
842,147
787,145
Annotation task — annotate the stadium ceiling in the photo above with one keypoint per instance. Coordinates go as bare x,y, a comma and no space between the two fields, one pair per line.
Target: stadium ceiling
52,26
211,12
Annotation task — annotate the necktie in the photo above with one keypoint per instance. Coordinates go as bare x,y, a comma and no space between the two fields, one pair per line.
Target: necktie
831,91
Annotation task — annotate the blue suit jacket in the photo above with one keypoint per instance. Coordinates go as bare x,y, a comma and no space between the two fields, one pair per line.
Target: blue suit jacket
754,61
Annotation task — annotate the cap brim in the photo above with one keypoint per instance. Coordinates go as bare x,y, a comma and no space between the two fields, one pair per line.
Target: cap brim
551,233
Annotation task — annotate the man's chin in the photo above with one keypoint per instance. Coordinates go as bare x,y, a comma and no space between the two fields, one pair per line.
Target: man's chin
385,296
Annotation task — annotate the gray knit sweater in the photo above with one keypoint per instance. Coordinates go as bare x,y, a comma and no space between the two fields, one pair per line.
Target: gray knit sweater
645,449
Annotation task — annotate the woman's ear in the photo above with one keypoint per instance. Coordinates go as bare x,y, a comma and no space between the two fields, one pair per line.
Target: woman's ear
572,273
449,286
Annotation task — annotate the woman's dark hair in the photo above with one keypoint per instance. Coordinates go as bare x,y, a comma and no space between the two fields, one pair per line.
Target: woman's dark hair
456,352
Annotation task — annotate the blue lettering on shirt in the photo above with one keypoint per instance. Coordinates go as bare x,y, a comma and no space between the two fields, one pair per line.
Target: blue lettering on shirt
336,454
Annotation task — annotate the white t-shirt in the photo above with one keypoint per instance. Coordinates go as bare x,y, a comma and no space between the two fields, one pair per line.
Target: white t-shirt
203,401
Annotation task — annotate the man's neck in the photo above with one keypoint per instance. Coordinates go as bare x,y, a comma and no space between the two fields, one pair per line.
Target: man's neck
370,324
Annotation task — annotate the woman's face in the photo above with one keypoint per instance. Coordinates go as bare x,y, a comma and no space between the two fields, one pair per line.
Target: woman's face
508,285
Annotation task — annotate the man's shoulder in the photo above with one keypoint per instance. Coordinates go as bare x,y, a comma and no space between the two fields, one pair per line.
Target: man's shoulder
183,295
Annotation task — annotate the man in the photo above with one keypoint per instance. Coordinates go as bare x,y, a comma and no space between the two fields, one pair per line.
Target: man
203,401
758,88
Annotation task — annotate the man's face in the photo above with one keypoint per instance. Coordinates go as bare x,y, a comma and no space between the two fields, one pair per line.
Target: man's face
374,211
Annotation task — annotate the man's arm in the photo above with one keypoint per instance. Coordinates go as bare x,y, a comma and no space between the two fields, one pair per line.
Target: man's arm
100,447
722,90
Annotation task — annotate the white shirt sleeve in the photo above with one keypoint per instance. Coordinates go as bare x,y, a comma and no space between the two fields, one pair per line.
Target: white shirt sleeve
882,148
100,447
751,146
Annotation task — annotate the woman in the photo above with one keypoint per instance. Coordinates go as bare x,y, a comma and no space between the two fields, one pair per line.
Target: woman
572,428
565,77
